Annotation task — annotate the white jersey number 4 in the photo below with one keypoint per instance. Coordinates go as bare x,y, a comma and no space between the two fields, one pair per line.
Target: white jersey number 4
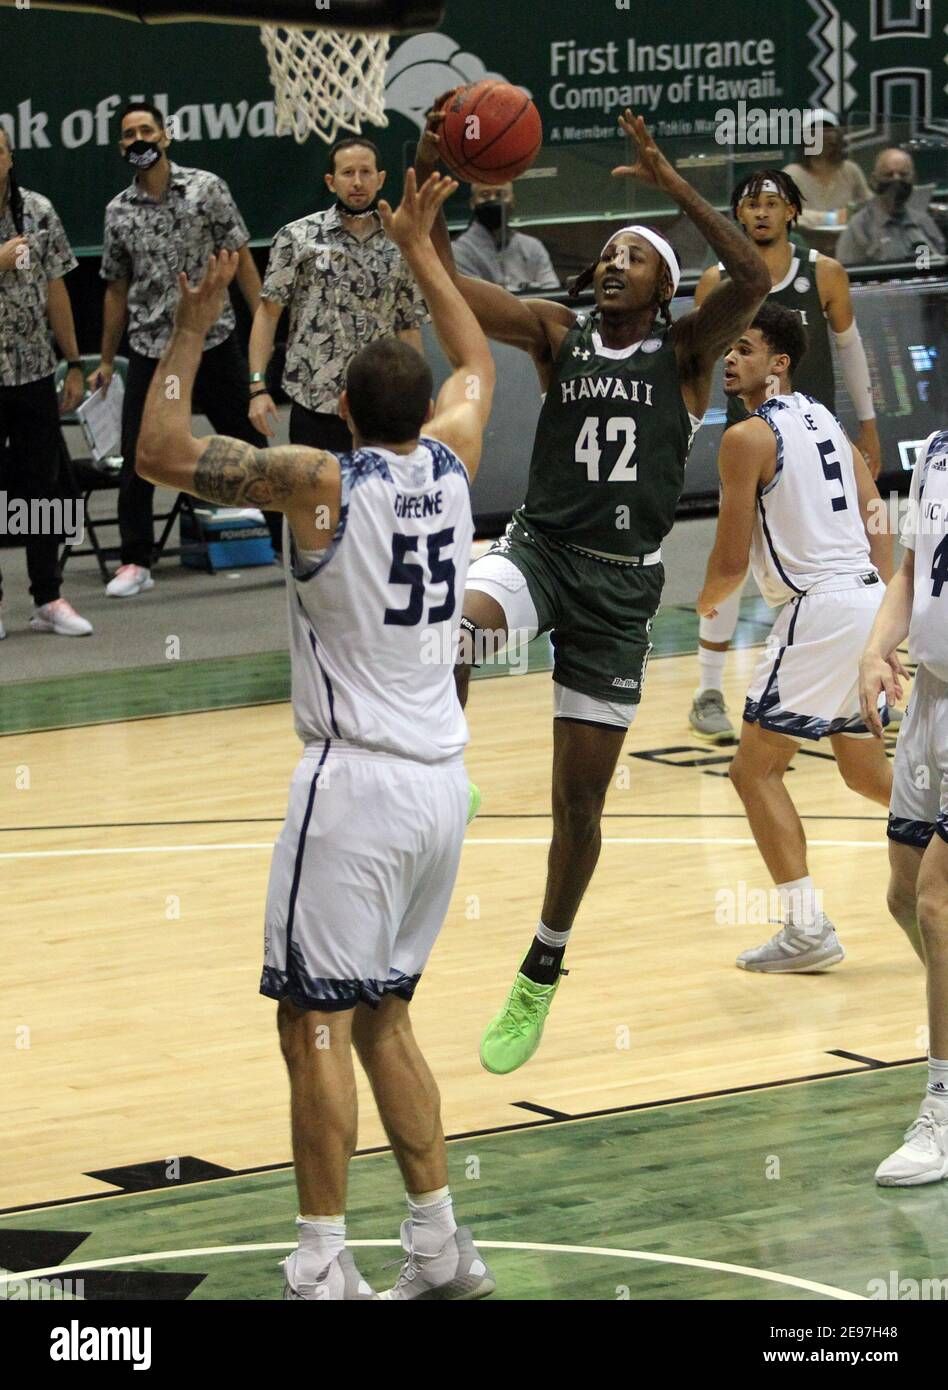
589,452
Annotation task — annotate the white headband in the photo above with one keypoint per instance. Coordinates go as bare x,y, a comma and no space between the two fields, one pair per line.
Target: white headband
768,186
662,246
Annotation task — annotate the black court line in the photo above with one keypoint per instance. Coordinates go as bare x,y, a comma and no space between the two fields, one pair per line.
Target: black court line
872,1062
509,1129
542,1110
488,815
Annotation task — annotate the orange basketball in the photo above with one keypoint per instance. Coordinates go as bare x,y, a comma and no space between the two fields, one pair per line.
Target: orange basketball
491,132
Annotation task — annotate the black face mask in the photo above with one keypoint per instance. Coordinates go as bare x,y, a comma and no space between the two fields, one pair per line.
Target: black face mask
493,216
142,154
898,191
347,211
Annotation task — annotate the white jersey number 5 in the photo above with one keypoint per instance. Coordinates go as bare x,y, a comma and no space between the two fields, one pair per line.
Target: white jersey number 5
589,452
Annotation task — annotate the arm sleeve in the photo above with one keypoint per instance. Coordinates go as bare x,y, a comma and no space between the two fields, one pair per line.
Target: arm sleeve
411,311
59,259
116,262
281,269
229,228
855,368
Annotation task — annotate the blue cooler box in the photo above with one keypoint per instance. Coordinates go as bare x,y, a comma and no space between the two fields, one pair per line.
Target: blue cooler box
234,538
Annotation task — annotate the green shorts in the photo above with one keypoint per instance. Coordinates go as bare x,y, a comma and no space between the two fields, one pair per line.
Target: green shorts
599,613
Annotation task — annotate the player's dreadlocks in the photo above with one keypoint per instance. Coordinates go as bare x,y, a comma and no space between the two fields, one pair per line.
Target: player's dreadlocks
753,186
13,188
581,282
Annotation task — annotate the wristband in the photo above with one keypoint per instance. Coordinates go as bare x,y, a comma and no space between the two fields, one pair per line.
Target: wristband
264,392
77,363
257,376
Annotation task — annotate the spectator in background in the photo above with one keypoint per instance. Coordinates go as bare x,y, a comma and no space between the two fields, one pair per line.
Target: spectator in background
169,219
489,250
345,285
34,258
829,182
887,228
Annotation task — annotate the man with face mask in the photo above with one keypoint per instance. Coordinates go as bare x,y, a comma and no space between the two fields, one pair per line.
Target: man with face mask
887,228
170,219
490,250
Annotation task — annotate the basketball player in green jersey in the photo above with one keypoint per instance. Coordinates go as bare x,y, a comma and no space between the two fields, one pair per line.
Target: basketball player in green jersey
625,390
767,205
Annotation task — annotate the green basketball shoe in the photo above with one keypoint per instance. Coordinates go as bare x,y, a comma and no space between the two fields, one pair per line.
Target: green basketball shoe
514,1035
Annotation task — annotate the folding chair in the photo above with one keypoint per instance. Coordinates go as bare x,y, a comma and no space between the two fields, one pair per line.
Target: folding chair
88,476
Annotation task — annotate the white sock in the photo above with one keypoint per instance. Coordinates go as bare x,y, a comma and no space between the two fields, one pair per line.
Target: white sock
432,1220
710,669
550,937
938,1084
800,904
321,1239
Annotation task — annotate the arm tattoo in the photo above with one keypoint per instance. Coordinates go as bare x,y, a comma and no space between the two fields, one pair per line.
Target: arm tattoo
235,473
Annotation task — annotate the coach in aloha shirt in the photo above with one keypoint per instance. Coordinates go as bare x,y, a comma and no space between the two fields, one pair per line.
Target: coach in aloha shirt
34,308
149,242
342,294
169,219
345,284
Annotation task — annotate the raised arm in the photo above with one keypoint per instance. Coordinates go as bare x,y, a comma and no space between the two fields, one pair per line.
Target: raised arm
536,326
702,336
303,483
464,402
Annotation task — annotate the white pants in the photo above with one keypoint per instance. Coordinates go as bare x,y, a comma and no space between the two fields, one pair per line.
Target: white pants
807,684
919,805
361,877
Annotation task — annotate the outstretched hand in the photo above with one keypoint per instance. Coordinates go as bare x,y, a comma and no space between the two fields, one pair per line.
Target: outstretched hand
410,224
200,307
651,166
429,143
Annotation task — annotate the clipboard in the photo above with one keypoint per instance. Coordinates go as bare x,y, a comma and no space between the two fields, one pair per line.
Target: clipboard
101,420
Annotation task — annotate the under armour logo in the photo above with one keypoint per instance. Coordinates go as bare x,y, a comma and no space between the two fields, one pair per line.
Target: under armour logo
584,353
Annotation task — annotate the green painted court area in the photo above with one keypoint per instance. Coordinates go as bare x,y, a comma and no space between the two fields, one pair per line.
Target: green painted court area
778,1181
183,687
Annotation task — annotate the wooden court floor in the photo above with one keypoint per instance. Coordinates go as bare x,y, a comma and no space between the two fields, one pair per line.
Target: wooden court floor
135,857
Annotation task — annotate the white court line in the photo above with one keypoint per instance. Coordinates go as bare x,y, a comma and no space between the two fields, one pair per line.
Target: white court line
501,840
765,1274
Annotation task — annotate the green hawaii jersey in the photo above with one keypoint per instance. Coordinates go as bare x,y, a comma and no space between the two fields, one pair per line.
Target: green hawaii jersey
608,463
814,376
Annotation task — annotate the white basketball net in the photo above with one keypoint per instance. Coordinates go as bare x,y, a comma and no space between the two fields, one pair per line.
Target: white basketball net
324,79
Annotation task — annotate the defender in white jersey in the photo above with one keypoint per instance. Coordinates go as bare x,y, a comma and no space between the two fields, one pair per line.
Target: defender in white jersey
916,604
796,497
377,547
